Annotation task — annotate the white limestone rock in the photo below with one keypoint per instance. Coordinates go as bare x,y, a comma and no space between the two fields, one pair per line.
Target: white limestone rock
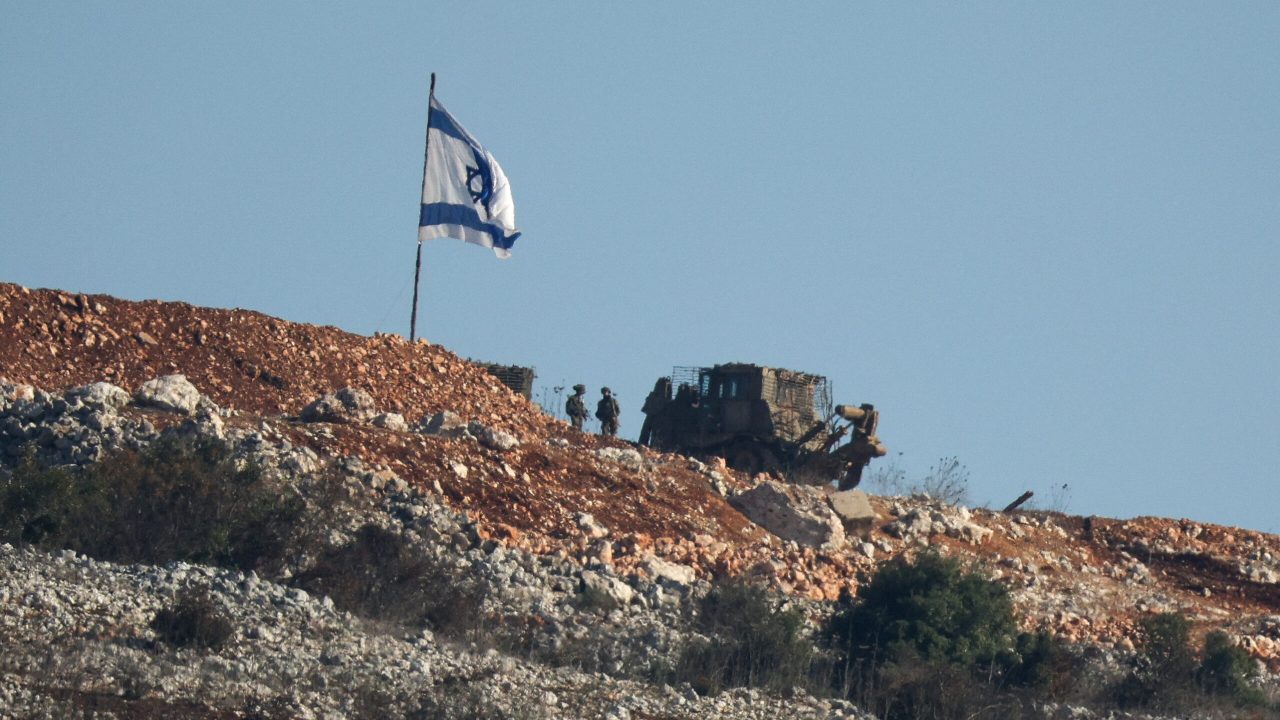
348,405
855,512
792,512
616,590
673,573
629,458
100,395
173,393
499,440
391,421
589,527
445,423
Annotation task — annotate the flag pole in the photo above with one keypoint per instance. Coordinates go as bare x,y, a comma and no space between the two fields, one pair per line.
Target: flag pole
417,267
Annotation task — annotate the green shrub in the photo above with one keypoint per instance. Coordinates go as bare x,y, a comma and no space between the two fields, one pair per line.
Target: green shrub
927,638
194,620
190,501
1167,676
749,642
1166,647
39,504
1162,672
911,687
176,500
914,688
931,608
378,575
1225,670
1042,664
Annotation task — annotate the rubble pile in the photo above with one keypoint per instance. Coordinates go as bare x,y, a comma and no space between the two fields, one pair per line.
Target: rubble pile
241,359
462,467
295,651
75,428
292,655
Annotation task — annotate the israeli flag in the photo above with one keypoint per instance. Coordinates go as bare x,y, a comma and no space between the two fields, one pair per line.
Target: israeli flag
465,194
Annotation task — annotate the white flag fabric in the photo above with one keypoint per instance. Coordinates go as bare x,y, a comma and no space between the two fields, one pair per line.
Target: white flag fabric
465,194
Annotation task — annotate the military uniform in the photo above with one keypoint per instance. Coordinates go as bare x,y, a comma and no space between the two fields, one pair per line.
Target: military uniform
654,405
575,408
607,412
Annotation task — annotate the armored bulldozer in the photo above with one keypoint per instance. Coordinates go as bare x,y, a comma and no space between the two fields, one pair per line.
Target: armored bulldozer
762,419
519,379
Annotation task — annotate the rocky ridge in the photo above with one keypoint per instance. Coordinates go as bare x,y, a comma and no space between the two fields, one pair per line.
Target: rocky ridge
539,510
295,653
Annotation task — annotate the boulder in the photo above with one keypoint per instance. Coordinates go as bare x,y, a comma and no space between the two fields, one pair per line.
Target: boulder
100,395
629,458
170,392
357,401
855,512
391,421
587,524
348,405
493,439
918,524
601,552
12,394
322,409
673,573
204,424
1260,573
971,532
616,590
444,423
792,512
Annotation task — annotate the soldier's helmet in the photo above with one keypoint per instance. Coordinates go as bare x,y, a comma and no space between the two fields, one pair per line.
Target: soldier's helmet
605,390
579,388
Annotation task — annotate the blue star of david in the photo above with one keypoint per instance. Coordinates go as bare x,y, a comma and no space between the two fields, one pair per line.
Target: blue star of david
482,192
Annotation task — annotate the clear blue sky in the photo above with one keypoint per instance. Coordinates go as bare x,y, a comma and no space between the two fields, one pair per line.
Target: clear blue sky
1041,237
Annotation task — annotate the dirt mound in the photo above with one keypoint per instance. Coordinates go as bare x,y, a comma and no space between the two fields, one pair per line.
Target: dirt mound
1086,579
269,369
240,358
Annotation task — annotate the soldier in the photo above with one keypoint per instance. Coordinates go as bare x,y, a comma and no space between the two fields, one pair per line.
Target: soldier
654,404
607,412
575,407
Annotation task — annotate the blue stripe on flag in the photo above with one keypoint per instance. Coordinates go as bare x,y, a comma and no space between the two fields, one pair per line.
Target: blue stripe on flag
440,120
449,214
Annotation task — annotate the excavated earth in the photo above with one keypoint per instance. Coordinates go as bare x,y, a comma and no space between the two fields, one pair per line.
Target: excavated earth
1088,580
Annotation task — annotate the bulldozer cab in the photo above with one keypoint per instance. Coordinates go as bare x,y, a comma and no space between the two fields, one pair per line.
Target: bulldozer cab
714,405
730,394
517,378
761,419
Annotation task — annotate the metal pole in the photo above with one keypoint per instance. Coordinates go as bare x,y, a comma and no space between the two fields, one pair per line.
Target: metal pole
417,267
413,319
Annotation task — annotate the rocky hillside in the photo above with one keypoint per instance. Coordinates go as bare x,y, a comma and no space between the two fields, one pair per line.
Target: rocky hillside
452,458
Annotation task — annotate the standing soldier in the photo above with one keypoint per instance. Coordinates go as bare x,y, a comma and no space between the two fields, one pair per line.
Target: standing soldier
654,405
607,411
575,407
